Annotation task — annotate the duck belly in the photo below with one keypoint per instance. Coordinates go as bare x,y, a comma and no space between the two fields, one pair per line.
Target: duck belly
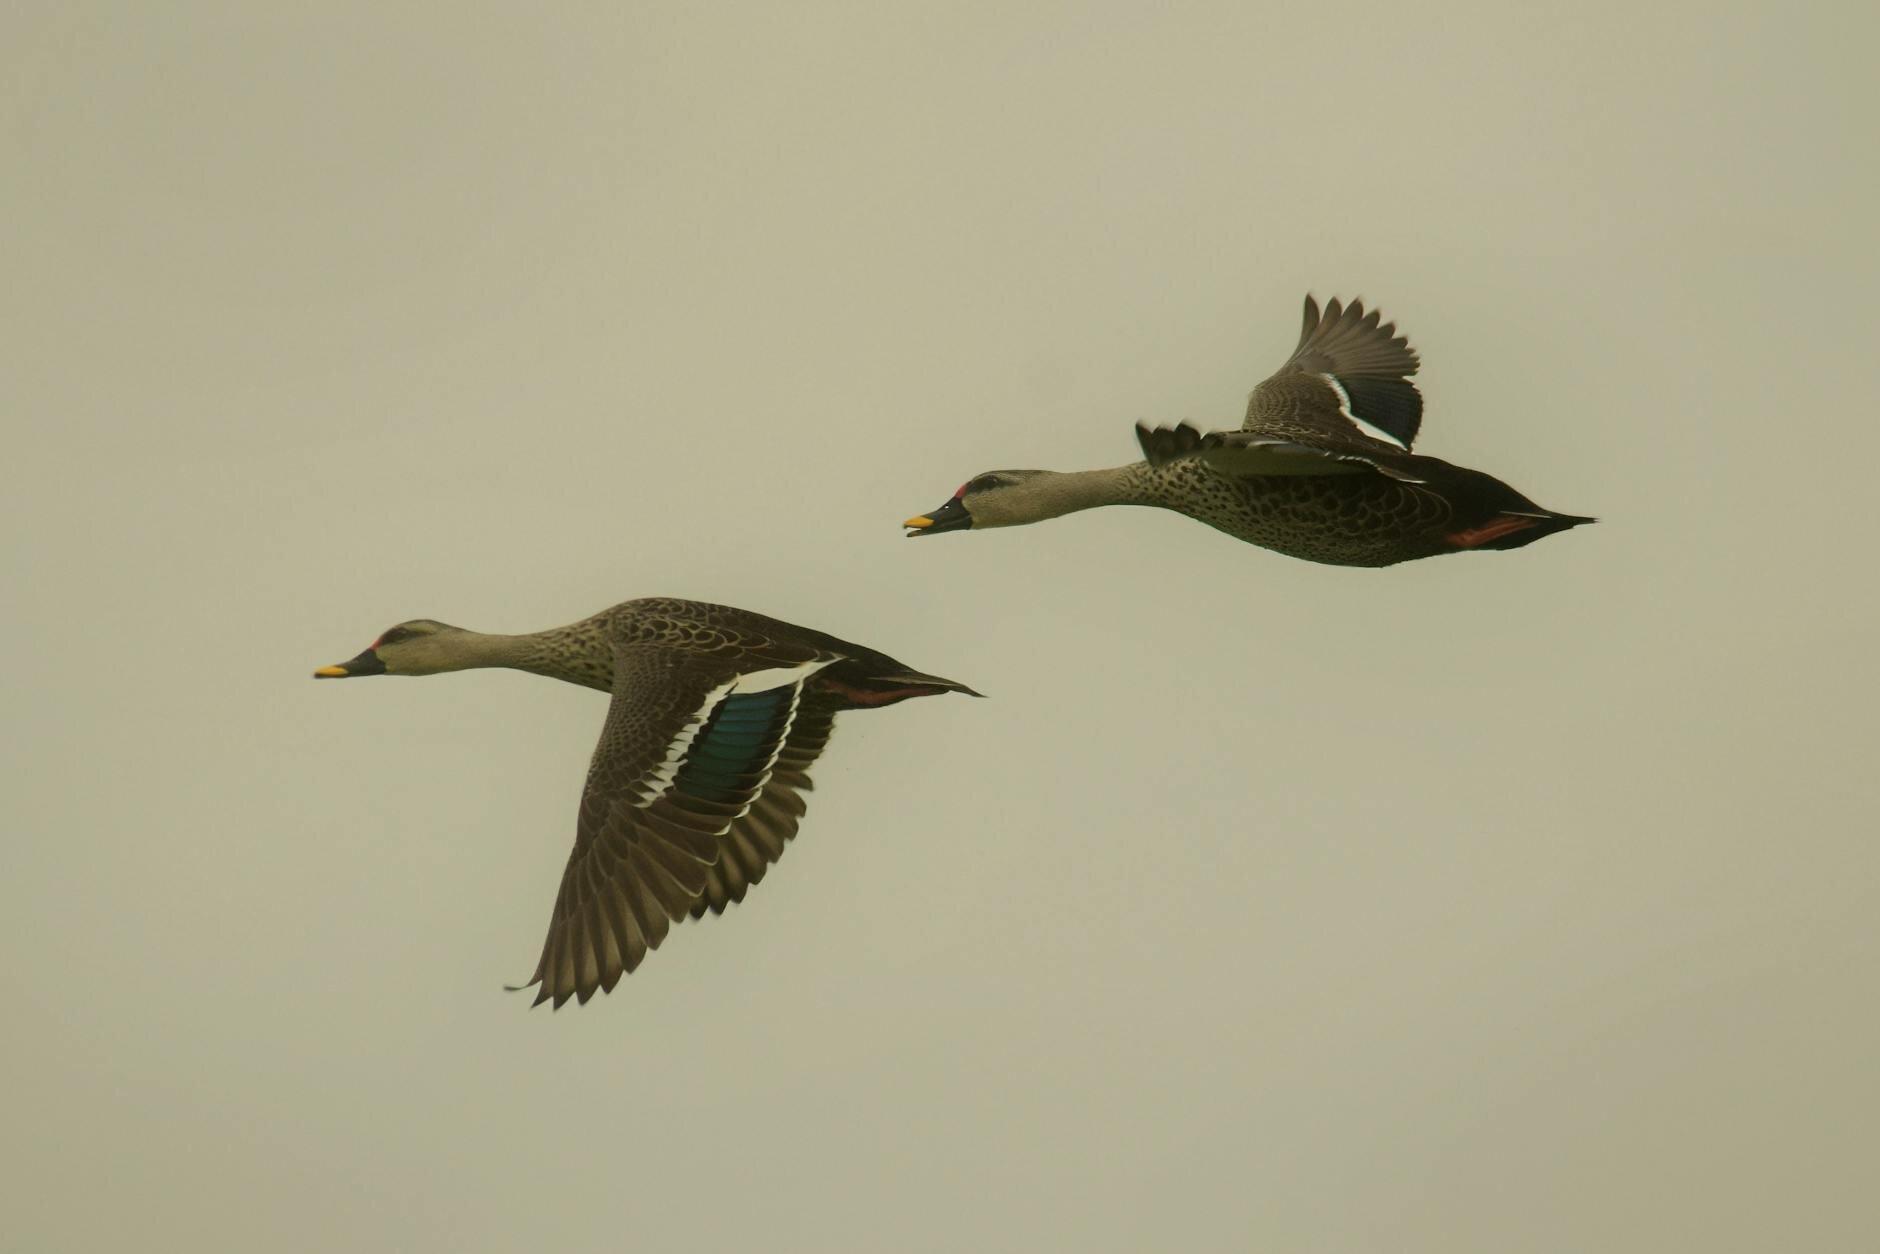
1340,520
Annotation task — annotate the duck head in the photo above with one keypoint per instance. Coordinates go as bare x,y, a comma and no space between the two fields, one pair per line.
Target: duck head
422,646
997,498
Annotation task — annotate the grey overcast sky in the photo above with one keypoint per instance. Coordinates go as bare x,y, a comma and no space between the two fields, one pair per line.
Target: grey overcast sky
1502,902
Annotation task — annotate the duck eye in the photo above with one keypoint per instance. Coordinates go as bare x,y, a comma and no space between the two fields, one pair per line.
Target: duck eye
392,636
981,483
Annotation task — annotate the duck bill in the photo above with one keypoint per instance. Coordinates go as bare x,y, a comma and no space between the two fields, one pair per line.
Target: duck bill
949,517
366,663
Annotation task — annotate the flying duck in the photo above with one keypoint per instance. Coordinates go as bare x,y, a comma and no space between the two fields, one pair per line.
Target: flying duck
1321,469
697,781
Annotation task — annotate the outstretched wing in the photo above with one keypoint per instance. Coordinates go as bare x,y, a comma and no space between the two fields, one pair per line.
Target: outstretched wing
756,840
685,760
1346,387
1243,454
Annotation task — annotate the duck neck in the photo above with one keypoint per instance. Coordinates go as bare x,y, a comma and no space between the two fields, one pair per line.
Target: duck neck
1069,491
577,654
476,650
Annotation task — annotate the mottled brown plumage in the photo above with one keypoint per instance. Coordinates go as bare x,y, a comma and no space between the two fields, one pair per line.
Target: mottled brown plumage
1320,469
697,782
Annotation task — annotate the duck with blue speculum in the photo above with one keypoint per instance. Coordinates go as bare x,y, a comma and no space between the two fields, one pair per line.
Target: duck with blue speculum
1320,469
698,780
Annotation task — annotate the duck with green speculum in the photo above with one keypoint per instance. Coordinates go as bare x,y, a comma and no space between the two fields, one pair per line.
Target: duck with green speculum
1321,468
698,780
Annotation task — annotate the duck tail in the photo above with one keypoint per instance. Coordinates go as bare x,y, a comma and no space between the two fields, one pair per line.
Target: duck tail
1528,529
863,687
917,679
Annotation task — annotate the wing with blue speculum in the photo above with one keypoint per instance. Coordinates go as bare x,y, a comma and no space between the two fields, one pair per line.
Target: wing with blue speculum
685,761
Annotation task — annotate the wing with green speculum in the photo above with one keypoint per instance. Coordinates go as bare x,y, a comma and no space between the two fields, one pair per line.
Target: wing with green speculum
684,806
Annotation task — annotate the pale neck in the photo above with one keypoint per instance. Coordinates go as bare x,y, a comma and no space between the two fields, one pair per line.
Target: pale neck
559,653
576,653
1069,491
475,650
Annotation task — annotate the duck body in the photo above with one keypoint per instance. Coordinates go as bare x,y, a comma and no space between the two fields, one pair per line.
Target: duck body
1320,469
712,636
1351,520
696,784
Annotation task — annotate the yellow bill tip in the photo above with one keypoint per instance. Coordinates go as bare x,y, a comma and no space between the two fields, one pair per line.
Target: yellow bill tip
918,522
331,672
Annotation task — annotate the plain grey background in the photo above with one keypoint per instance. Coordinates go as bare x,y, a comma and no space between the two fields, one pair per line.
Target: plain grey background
1502,902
